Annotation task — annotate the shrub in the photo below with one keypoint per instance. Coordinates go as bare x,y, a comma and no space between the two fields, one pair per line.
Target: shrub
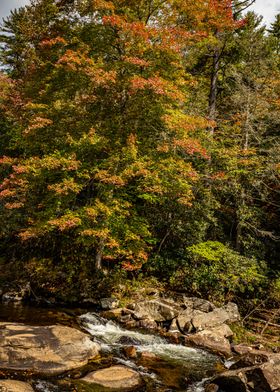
214,270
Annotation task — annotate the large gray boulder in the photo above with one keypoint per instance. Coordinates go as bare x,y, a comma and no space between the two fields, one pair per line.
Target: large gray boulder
158,310
15,386
192,319
198,304
115,377
47,350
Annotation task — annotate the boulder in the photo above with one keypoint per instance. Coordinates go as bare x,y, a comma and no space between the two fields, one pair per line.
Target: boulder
147,324
262,378
192,319
218,316
198,304
157,310
233,314
213,340
109,303
250,359
15,386
184,320
44,350
115,377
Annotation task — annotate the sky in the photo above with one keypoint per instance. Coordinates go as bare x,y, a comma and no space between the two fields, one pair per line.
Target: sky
267,8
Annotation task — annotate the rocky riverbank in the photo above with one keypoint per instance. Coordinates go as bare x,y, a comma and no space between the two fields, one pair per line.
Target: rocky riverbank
28,351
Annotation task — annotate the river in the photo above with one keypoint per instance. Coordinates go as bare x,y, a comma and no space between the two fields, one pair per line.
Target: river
165,367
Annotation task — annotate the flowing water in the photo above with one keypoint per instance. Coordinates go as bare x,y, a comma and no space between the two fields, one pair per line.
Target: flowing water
165,367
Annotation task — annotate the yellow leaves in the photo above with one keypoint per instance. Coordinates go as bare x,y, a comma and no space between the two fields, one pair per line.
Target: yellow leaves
65,187
65,222
102,5
106,178
96,233
14,205
37,123
136,61
28,234
182,123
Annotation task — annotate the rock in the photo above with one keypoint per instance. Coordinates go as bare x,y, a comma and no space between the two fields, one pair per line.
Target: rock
17,295
15,386
147,324
223,330
115,377
130,352
211,340
173,327
109,303
214,318
196,320
211,388
241,349
147,356
271,373
198,304
231,382
250,359
233,313
263,378
128,341
44,350
157,310
184,320
112,314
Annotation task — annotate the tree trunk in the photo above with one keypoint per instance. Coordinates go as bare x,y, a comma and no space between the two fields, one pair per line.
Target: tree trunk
99,255
214,88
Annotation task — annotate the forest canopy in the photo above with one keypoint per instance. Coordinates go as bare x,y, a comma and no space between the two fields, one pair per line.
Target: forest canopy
141,136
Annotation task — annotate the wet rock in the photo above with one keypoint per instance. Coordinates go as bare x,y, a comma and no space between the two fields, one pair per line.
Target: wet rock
128,341
109,303
15,386
211,388
41,350
130,352
147,356
116,378
198,304
157,310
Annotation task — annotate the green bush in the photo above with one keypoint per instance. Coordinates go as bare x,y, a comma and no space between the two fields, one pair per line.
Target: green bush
212,269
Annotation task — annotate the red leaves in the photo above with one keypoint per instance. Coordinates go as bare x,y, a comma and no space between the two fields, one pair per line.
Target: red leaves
158,85
48,43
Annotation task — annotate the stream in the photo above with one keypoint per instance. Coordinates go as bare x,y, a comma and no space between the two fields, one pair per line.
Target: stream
165,367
